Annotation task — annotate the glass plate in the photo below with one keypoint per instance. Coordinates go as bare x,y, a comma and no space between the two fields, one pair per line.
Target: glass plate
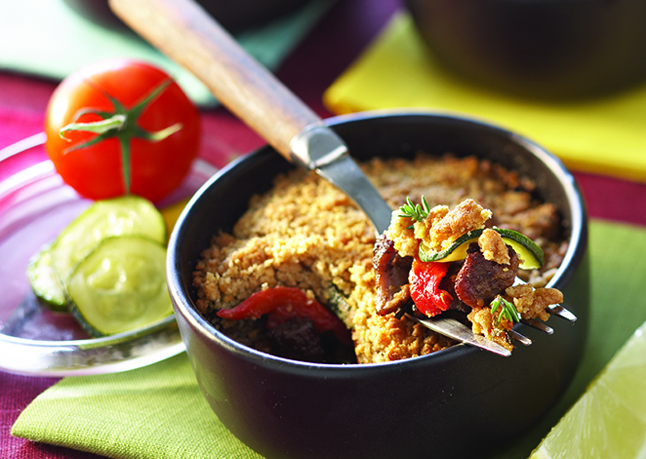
35,205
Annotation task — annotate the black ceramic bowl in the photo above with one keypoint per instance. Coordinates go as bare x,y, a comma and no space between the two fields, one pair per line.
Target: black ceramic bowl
440,405
539,48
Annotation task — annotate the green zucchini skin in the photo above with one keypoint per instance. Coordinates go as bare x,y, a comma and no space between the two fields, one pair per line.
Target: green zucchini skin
531,254
45,282
103,219
50,269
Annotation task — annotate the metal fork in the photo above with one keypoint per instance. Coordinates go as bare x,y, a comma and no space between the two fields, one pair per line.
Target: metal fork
344,173
456,330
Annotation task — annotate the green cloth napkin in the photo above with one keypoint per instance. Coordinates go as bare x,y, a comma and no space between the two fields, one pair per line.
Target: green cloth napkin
154,412
600,135
47,38
158,412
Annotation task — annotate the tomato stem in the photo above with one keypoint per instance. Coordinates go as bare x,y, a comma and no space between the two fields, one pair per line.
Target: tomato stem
122,124
125,162
103,126
161,135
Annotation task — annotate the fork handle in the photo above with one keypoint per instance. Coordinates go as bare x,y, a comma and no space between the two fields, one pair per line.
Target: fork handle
189,35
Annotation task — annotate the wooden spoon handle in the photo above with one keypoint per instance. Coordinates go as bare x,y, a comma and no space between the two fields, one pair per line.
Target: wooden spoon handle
187,34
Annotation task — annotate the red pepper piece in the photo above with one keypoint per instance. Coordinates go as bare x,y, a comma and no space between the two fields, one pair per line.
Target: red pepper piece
283,303
424,281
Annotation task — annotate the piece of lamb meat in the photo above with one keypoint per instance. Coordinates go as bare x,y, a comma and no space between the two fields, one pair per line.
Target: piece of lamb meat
480,280
297,339
391,276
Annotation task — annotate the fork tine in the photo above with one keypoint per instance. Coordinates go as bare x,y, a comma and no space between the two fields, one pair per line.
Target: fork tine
522,339
563,313
456,330
555,309
538,326
459,332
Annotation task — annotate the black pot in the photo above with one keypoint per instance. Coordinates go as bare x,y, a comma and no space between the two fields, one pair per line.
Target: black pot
563,49
452,403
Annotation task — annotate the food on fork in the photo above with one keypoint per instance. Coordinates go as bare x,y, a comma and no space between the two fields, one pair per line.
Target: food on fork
431,260
306,234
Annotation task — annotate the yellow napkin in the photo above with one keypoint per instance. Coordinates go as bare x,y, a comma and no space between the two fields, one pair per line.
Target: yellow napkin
605,136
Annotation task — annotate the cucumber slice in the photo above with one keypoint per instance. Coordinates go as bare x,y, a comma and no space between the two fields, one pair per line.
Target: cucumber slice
45,281
103,219
120,286
531,255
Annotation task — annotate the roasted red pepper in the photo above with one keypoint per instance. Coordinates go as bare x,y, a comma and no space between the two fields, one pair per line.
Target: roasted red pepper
281,304
424,281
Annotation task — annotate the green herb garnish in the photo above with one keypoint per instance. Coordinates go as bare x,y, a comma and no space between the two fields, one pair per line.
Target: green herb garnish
415,211
508,310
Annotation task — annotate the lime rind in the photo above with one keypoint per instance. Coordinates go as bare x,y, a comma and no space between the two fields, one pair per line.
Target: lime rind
609,419
530,253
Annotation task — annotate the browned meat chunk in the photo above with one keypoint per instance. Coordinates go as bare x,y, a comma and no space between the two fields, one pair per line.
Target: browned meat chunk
479,280
297,339
391,271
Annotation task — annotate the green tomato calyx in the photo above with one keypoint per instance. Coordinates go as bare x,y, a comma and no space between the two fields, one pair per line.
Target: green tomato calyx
122,124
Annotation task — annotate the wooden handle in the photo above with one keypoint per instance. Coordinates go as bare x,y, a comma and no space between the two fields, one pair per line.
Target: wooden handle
187,34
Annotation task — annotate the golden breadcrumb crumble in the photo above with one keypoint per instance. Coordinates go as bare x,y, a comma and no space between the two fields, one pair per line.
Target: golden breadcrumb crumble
493,247
305,233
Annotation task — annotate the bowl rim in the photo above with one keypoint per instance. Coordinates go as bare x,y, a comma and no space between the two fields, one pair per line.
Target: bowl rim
184,305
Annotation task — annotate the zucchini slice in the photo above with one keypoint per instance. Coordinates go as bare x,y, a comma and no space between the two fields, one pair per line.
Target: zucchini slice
45,281
103,219
120,286
531,255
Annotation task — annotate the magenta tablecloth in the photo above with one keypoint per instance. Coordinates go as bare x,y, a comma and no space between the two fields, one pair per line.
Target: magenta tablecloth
314,65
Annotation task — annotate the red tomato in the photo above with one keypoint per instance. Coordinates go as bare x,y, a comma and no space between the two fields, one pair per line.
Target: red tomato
96,171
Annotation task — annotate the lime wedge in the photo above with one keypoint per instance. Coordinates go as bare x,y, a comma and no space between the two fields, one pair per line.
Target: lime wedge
609,420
